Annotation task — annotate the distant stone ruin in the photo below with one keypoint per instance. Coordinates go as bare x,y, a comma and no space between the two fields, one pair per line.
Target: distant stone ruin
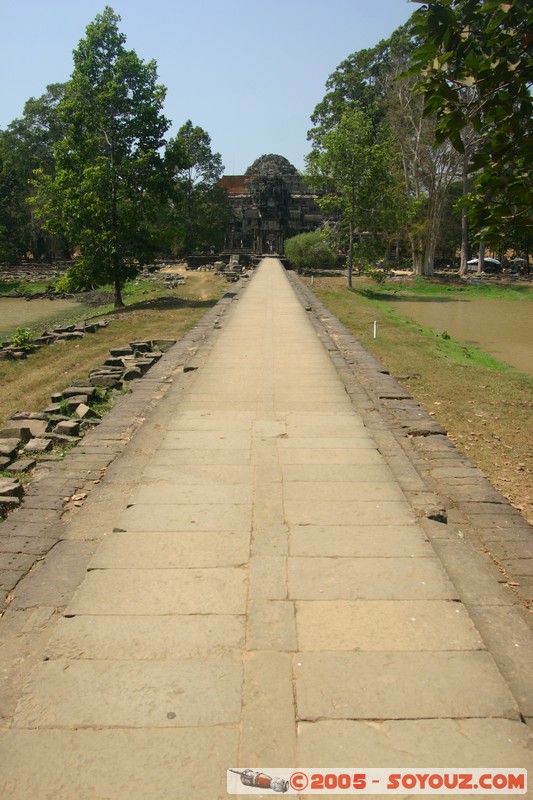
269,203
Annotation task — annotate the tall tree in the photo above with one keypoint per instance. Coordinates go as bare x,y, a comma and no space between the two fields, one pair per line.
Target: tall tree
199,204
370,80
484,46
351,166
428,171
27,145
110,177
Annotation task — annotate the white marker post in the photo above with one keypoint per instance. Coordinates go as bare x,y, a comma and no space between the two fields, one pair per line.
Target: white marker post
375,329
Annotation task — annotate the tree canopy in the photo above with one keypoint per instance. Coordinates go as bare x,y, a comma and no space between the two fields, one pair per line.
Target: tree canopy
199,211
475,71
109,177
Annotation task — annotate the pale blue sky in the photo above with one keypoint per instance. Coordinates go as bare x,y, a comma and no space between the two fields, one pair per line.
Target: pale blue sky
248,72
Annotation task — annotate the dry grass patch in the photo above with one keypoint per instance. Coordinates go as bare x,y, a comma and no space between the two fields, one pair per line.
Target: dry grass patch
486,408
27,385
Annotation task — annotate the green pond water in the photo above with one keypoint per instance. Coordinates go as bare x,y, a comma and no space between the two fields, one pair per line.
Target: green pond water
16,313
501,328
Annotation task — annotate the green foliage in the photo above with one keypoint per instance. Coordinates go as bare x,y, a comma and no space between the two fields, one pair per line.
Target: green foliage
362,80
475,71
22,339
26,145
351,165
309,251
199,213
110,179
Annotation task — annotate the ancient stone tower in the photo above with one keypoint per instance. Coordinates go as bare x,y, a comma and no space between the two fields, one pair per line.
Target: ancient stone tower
269,203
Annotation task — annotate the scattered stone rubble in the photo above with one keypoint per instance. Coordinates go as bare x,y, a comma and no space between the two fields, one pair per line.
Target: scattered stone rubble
28,436
63,333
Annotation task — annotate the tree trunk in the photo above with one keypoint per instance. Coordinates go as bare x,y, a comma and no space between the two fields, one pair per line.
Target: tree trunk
350,256
119,303
481,258
464,221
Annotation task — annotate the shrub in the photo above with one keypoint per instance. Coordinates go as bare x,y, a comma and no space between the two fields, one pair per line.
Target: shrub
309,251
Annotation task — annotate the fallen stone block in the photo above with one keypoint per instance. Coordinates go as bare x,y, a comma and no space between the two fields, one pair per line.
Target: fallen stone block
131,374
118,352
76,391
84,412
40,340
69,427
29,415
8,504
15,431
53,408
73,402
141,347
106,381
114,362
9,487
61,439
67,337
164,344
4,462
8,447
38,445
34,426
21,465
143,364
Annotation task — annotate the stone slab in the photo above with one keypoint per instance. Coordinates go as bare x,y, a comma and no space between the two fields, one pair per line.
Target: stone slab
206,440
207,493
130,694
385,625
171,550
368,579
323,473
186,517
416,742
198,474
162,591
55,578
302,512
268,578
471,576
318,455
363,441
510,640
342,491
400,686
177,458
144,638
268,728
213,421
120,764
271,625
358,541
324,425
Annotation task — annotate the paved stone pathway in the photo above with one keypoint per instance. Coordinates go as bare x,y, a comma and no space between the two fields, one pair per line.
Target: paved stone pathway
263,596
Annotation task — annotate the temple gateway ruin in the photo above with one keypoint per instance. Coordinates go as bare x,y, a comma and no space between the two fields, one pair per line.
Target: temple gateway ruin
269,203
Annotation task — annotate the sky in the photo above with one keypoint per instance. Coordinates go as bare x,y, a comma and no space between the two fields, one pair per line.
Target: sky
249,73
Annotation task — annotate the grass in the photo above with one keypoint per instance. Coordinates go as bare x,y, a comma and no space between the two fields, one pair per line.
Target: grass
486,407
446,287
161,313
